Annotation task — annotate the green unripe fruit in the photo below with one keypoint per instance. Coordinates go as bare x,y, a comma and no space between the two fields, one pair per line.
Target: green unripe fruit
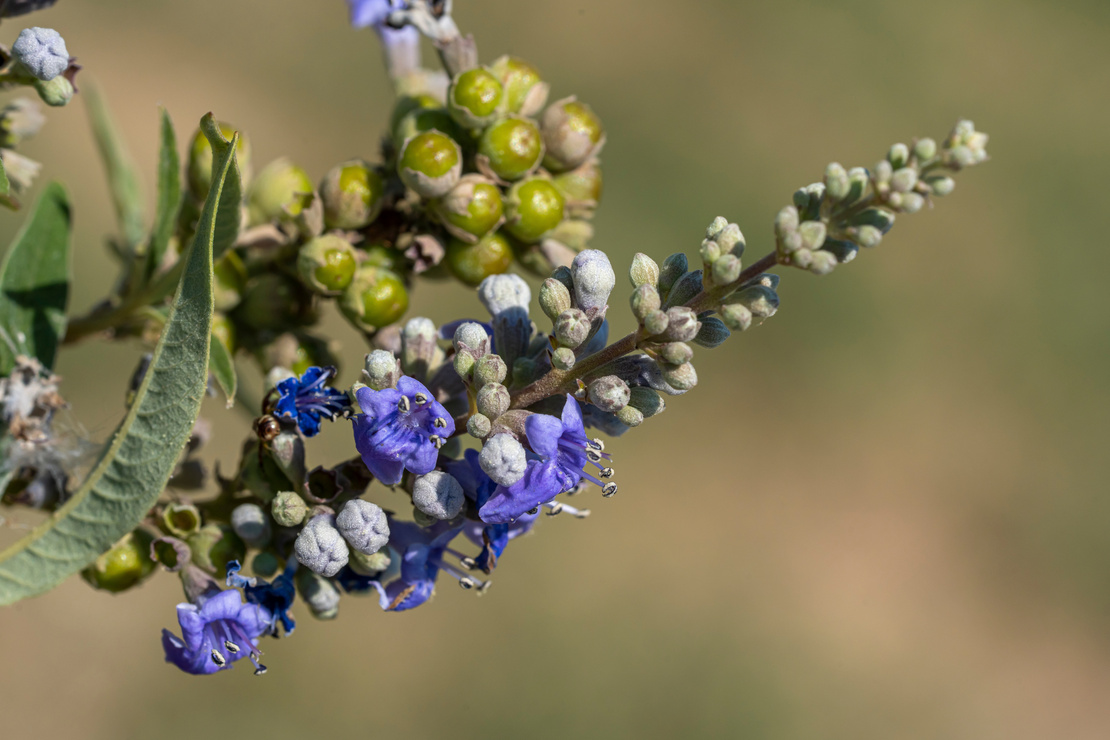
511,148
352,193
472,209
422,120
474,97
525,91
125,565
473,263
327,264
375,298
535,207
214,546
229,279
281,192
199,168
409,104
582,189
572,133
55,92
181,519
430,164
275,302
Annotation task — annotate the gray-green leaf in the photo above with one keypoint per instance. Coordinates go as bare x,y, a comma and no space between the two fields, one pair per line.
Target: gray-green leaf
169,197
123,180
134,468
6,197
222,367
34,283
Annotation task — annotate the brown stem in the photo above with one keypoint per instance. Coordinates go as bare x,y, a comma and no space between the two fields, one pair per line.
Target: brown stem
558,382
708,299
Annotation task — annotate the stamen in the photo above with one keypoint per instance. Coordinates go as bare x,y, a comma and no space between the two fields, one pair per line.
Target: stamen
576,490
437,440
467,563
593,456
484,587
533,511
609,490
231,646
440,422
218,658
466,583
260,670
606,473
403,405
420,399
558,507
597,444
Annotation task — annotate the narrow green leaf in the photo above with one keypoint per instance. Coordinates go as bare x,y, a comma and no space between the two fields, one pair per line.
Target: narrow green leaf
6,197
222,367
169,197
123,180
34,282
134,468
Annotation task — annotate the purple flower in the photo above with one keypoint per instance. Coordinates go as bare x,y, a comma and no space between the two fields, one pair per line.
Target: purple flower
276,598
422,552
376,13
478,487
215,634
400,429
307,399
562,450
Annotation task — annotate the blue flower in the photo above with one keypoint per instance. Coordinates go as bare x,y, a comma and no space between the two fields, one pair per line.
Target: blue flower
276,598
478,487
422,551
375,13
400,429
215,634
307,399
562,451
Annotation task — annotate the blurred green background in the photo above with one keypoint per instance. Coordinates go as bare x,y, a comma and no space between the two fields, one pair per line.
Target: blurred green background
884,514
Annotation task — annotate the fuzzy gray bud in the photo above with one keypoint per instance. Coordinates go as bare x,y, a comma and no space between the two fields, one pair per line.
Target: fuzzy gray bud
503,459
288,509
572,328
594,279
731,240
682,377
673,268
726,270
925,149
250,522
554,298
898,156
420,354
837,184
736,316
676,353
473,335
813,234
363,525
941,185
760,300
320,547
655,323
563,358
645,300
478,426
609,393
644,271
682,324
630,416
490,369
320,594
382,370
42,51
438,495
786,222
493,400
869,236
904,180
501,293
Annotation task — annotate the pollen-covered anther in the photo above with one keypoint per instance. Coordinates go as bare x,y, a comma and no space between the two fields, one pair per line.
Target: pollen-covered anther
556,509
437,440
467,563
403,405
420,399
607,473
593,456
466,583
440,422
218,658
609,490
596,444
231,646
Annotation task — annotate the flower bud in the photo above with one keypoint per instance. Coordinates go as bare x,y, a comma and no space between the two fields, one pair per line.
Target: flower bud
554,298
503,459
478,426
572,133
438,495
473,335
593,278
813,234
280,192
630,417
352,194
898,156
181,519
609,393
382,370
688,286
42,52
430,164
420,353
572,328
786,222
370,565
682,377
647,401
511,148
525,91
941,185
473,263
736,316
533,207
925,149
252,525
563,358
503,293
682,324
57,92
673,268
375,298
676,353
463,363
123,566
883,172
710,252
912,202
490,369
881,219
327,264
320,594
760,300
200,159
645,300
655,323
213,546
472,209
287,450
493,400
859,180
320,547
904,180
869,236
837,184
726,270
474,97
823,262
644,271
363,525
289,509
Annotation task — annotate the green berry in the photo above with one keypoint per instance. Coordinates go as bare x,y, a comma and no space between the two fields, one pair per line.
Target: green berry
327,264
422,120
474,97
525,91
275,302
512,147
581,187
181,519
430,164
199,168
572,133
473,263
472,209
534,207
125,565
281,192
409,104
375,298
352,195
214,546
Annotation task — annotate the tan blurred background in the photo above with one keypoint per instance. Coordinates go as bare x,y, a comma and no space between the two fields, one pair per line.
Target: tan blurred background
882,515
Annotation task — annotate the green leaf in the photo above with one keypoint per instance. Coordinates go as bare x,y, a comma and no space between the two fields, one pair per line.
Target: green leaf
222,367
6,197
134,468
34,283
169,197
123,180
